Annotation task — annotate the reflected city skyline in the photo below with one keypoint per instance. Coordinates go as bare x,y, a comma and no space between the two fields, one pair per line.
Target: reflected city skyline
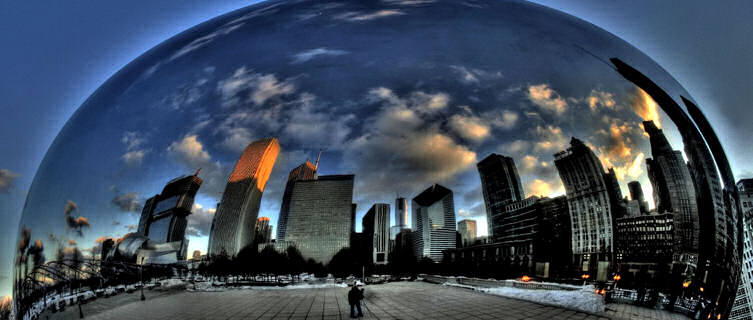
556,160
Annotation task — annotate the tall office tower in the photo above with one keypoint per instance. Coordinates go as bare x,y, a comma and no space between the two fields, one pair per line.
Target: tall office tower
306,171
500,185
263,233
320,217
234,223
636,193
619,208
720,237
743,306
376,230
196,255
401,213
673,189
589,205
467,229
433,222
164,217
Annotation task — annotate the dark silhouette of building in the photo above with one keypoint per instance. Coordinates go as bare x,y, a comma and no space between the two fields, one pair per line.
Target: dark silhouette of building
539,245
636,194
645,249
500,185
720,234
234,222
402,215
263,232
674,190
165,216
433,222
742,309
306,171
590,205
376,230
320,216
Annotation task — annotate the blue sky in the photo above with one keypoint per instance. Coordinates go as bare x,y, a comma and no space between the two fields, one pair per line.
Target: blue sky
57,54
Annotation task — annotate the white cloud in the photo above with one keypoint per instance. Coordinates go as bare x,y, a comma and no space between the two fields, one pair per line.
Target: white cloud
133,142
505,120
200,220
314,53
469,127
205,40
361,16
7,178
401,149
474,76
245,86
600,99
546,98
190,150
549,138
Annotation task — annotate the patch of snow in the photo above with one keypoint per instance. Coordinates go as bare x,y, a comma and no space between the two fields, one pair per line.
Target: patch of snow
584,299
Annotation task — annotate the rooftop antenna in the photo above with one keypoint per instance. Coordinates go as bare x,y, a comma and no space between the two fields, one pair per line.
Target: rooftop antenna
316,165
197,172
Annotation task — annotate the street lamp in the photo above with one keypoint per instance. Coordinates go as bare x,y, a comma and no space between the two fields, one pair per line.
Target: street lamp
141,278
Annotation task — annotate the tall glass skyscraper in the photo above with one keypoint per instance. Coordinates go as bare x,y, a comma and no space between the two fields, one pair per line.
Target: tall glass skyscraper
673,189
235,221
306,171
320,216
434,222
500,185
401,213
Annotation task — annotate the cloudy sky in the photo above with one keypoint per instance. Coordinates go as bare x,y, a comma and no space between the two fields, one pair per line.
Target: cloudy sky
91,41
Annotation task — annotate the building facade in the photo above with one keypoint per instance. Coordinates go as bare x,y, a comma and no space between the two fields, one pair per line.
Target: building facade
433,222
467,229
234,222
376,230
320,217
636,194
674,190
590,206
263,233
500,185
164,217
742,309
306,171
402,215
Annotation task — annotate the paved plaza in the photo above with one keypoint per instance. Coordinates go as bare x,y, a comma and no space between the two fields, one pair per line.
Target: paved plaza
398,300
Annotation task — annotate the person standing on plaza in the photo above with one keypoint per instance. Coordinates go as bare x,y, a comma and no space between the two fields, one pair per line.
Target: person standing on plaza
355,295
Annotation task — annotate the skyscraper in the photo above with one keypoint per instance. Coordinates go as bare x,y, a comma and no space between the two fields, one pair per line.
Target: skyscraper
164,217
589,205
433,222
376,230
636,193
742,309
306,171
500,185
401,213
673,189
263,233
467,229
320,216
235,221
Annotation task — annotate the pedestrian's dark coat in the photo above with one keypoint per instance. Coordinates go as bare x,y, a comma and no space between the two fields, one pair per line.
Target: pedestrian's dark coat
355,295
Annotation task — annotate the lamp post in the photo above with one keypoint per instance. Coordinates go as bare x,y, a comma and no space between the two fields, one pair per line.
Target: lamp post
141,278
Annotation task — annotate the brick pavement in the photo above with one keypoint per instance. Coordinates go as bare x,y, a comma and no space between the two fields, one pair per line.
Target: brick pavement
397,300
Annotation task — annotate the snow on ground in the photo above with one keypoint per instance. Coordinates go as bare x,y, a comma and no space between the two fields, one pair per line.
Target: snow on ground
584,299
209,287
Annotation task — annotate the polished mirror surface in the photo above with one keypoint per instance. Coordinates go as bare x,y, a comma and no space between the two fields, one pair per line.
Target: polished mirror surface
469,138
